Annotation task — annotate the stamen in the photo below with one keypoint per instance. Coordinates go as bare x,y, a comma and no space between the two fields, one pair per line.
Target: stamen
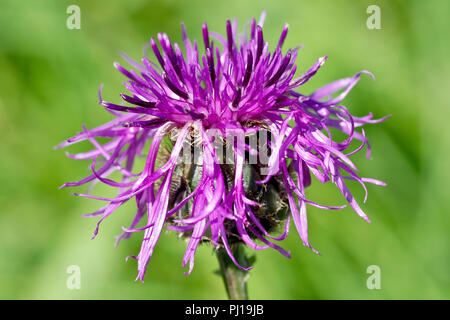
156,52
138,102
280,71
283,36
175,89
237,98
260,45
248,69
168,49
205,35
210,60
253,29
229,37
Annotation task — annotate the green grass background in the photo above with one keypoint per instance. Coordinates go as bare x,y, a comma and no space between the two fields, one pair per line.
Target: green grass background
49,76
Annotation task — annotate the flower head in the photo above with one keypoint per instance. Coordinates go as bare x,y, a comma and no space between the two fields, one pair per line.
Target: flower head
236,89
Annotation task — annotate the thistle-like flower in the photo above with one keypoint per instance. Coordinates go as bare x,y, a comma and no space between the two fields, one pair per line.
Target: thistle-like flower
238,90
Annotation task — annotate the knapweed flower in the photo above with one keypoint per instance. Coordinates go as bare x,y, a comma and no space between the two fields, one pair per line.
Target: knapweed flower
237,89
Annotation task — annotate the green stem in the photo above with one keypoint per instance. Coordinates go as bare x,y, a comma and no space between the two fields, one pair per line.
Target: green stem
235,279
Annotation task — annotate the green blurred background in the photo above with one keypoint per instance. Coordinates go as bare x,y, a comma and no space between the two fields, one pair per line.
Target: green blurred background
48,88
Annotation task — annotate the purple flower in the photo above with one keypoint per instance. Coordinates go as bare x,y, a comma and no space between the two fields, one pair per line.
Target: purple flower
237,85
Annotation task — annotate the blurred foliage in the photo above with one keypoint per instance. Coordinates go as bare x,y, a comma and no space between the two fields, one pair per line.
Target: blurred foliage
49,79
